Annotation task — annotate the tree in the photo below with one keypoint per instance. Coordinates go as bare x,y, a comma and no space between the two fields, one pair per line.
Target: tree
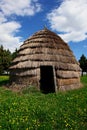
1,60
14,54
83,63
5,59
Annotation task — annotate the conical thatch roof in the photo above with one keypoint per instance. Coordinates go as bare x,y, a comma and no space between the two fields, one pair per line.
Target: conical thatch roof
45,48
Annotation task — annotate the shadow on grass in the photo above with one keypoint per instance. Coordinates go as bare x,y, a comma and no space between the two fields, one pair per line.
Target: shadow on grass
30,89
3,83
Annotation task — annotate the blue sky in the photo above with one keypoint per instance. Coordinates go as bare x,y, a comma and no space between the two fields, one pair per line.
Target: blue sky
19,19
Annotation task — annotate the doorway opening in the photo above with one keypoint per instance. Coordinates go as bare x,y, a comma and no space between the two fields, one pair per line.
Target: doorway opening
47,84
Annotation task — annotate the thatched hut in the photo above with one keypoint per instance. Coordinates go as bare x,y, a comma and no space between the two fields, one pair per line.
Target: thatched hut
46,61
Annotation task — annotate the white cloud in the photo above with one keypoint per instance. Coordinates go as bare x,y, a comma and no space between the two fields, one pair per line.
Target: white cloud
8,27
7,35
2,18
70,18
19,7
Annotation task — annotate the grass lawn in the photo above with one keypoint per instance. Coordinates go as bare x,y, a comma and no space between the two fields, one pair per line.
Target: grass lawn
4,79
32,110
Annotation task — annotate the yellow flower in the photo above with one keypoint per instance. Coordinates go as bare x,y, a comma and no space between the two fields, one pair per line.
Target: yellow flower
67,124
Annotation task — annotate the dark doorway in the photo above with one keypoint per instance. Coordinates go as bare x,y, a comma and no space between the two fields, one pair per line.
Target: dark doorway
47,79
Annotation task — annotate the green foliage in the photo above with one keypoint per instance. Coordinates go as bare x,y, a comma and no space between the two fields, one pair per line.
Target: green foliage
5,59
83,63
36,111
14,54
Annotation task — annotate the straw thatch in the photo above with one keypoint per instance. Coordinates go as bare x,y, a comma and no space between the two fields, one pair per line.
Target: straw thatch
45,48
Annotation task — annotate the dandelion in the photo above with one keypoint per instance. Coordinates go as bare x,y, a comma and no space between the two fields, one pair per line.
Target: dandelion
67,124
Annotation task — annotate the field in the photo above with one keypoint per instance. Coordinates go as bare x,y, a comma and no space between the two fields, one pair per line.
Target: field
32,110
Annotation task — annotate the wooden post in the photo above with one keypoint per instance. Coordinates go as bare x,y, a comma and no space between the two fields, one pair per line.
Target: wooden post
54,75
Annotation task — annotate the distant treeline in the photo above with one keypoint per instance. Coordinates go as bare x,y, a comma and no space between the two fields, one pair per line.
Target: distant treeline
83,63
6,58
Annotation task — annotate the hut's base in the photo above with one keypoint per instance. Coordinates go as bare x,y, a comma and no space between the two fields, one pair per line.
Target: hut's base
68,84
61,84
69,87
22,82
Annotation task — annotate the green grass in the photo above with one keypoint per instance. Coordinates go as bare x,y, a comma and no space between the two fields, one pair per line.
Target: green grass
4,80
32,110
